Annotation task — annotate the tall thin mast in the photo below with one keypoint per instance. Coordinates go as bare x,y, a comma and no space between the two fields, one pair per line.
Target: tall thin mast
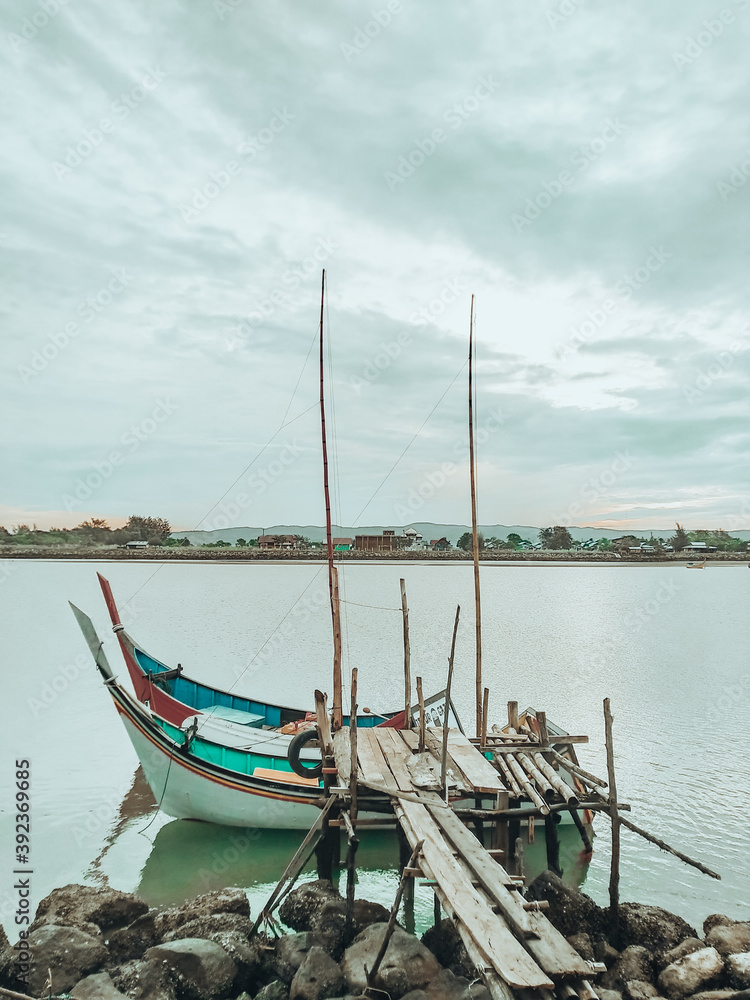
333,588
474,540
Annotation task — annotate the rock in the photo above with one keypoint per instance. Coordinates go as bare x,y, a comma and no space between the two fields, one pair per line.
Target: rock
604,952
652,927
447,986
583,945
715,995
291,951
686,947
219,901
318,978
208,925
691,973
446,945
637,989
4,942
304,902
605,994
635,963
70,952
738,970
729,939
97,987
131,941
274,991
145,981
330,922
415,995
405,954
91,909
570,911
201,970
713,920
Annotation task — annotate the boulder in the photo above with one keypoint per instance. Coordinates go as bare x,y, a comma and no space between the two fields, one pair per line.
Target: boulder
415,995
604,952
89,908
4,942
652,927
605,994
447,986
131,941
738,970
143,980
691,973
721,994
637,989
446,945
713,920
273,991
70,952
635,963
729,939
210,924
686,947
317,978
407,964
570,911
291,951
219,901
200,970
329,920
251,958
304,902
583,945
97,987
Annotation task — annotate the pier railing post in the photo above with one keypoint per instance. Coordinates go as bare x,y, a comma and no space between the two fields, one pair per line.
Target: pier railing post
614,873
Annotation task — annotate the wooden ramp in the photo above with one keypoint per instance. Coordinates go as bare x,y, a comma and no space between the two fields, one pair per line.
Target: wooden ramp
512,944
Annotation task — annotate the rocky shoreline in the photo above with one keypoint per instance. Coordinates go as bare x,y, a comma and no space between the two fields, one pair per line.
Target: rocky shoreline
102,944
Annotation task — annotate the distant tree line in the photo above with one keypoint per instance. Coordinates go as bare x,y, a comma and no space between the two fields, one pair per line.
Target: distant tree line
95,531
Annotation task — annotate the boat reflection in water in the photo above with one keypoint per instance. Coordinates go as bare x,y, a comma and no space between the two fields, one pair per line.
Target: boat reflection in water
184,858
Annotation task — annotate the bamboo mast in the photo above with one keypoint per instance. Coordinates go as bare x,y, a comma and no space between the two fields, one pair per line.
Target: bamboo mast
474,541
333,584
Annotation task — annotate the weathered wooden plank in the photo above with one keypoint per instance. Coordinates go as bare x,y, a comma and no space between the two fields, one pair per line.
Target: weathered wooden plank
369,739
342,753
410,737
434,744
371,763
506,955
476,769
397,754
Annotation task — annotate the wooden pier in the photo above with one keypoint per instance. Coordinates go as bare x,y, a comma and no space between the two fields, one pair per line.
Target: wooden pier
399,771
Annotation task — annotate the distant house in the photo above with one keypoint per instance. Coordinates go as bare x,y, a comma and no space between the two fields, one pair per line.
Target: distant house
699,547
376,543
136,544
278,542
342,544
440,544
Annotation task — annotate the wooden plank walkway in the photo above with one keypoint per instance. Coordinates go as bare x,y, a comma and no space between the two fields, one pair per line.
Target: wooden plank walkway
514,948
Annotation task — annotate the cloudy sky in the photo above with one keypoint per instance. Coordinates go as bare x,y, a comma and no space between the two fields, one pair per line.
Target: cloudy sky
175,176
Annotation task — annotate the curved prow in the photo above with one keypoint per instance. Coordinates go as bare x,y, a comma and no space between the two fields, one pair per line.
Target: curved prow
109,597
93,642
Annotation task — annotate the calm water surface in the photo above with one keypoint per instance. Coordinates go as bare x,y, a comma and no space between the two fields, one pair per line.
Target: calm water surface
668,647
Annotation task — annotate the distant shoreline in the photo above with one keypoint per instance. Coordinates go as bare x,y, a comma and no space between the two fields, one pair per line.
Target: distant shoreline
504,556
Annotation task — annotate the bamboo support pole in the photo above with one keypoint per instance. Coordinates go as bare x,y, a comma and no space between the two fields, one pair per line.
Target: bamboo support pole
665,847
614,873
513,715
510,781
541,721
353,772
581,829
407,658
337,721
575,769
552,843
485,710
474,536
372,973
444,762
528,789
422,719
536,774
561,787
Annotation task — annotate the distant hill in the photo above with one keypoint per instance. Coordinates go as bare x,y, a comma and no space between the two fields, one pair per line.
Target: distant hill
427,529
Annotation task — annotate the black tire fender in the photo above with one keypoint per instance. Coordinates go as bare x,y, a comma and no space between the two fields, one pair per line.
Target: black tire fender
295,749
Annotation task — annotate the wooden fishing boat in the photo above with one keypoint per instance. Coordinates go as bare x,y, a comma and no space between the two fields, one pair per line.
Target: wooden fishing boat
696,565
